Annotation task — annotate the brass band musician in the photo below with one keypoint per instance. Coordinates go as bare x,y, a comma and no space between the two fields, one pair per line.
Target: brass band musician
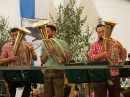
8,57
53,79
97,53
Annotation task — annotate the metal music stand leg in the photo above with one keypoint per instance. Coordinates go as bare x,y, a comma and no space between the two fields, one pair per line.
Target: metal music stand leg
65,81
72,90
3,92
88,91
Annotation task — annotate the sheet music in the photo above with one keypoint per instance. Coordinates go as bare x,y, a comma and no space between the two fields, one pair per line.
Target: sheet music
19,91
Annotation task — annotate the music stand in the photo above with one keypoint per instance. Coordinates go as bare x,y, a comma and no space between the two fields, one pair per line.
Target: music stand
32,76
88,75
125,72
12,76
76,75
99,75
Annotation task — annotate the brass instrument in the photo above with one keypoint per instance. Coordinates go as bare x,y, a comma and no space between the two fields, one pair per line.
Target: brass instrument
51,44
110,45
22,50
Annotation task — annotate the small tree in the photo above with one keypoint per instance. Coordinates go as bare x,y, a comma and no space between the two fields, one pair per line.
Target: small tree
4,38
69,28
4,31
100,21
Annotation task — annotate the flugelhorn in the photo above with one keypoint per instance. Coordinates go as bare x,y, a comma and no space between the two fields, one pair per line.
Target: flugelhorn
118,57
22,50
51,44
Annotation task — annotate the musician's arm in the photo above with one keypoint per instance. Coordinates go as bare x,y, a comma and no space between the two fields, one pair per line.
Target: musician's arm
44,58
67,55
44,54
93,56
8,60
4,59
103,55
65,47
124,52
34,56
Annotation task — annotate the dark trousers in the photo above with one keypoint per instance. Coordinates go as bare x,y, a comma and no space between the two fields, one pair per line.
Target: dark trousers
53,83
13,86
67,89
126,92
100,88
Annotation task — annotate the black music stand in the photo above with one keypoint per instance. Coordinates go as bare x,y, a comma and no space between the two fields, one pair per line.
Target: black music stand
12,76
125,72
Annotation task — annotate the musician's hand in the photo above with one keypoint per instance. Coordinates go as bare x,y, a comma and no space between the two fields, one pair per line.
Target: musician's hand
48,53
31,49
34,92
124,51
37,92
107,55
34,55
14,58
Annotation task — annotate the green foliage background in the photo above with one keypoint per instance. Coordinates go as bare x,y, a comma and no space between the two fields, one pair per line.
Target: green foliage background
4,38
69,28
4,31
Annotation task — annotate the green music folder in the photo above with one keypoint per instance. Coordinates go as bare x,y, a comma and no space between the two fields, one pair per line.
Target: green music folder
11,76
99,75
